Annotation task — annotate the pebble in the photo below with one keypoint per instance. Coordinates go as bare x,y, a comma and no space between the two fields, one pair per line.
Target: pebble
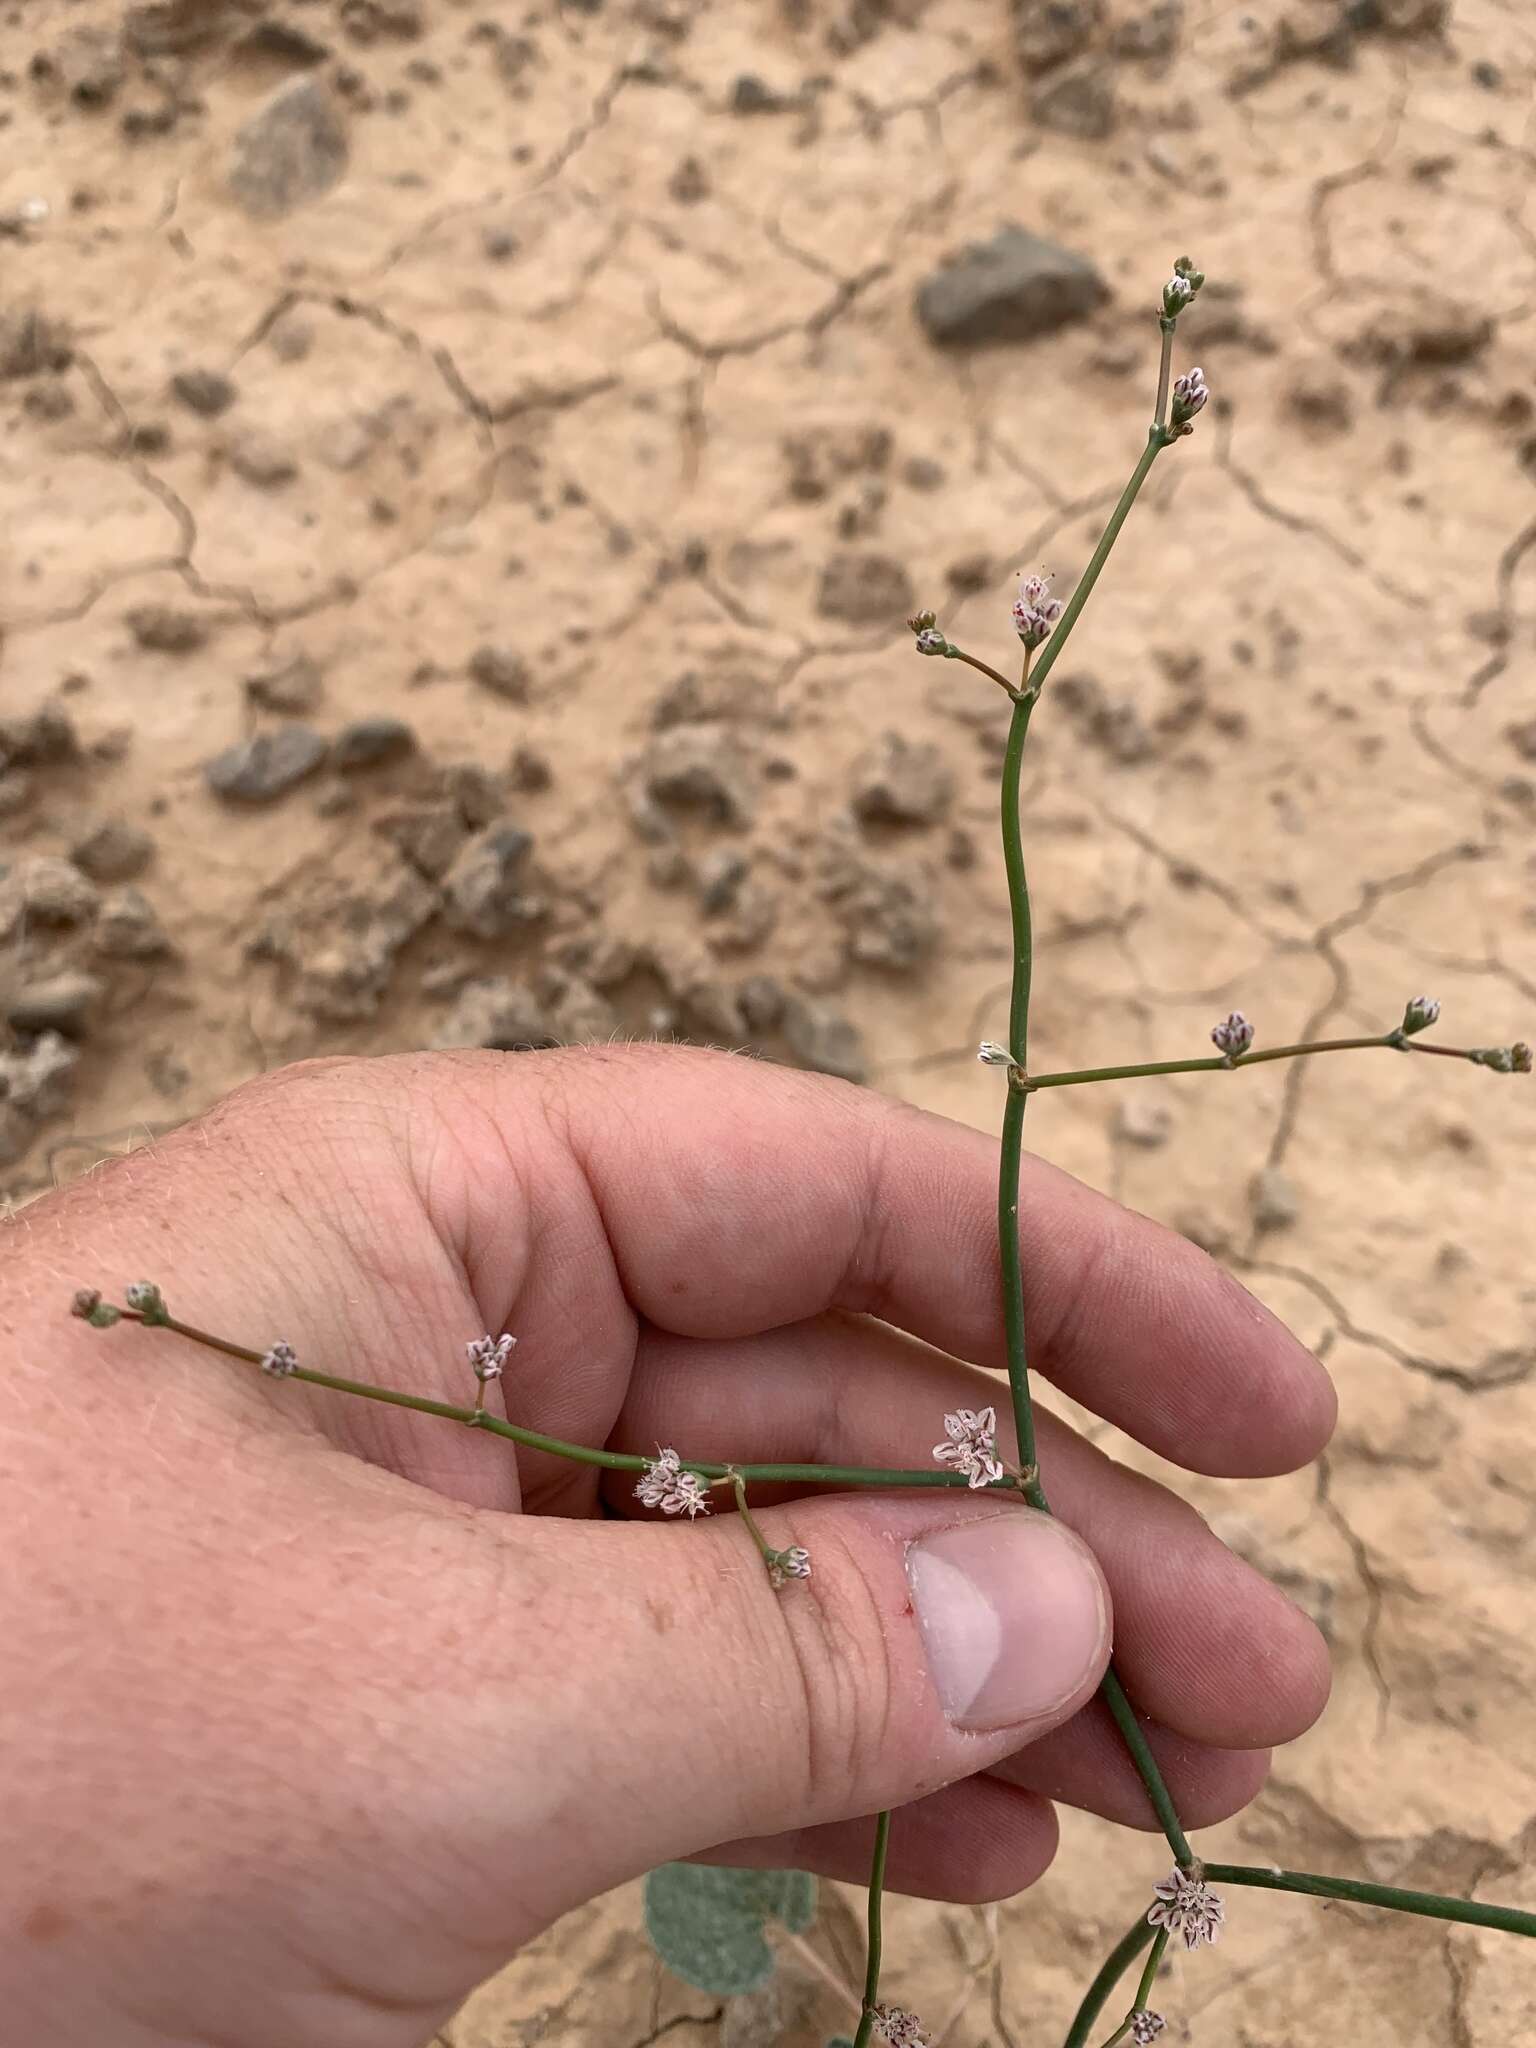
1273,1199
292,150
203,391
901,782
112,850
164,629
292,687
482,884
502,671
127,927
60,1002
1013,288
259,770
370,742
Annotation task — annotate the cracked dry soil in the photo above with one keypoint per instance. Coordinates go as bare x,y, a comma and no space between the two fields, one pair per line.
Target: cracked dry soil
553,443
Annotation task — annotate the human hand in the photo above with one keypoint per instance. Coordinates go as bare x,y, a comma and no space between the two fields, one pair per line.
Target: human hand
315,1709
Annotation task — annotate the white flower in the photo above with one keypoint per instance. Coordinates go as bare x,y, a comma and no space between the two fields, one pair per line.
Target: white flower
280,1361
665,1485
794,1563
972,1448
991,1054
1036,610
1233,1035
1420,1013
488,1356
1177,289
1187,1906
902,2029
1146,2025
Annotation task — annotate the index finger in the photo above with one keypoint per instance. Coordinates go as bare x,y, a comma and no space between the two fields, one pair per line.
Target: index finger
738,1196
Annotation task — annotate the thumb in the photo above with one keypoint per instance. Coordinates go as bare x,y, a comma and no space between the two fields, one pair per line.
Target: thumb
695,1704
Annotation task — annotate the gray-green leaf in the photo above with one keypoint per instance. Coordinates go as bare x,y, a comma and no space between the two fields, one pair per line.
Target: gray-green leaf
708,1925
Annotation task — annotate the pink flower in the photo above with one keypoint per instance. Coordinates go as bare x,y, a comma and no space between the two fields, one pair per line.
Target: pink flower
1187,1906
972,1446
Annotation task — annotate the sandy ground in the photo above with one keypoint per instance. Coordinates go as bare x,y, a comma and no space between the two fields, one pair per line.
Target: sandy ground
559,392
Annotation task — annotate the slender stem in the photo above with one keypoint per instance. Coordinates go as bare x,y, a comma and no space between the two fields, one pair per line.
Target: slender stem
1124,1713
1157,440
1113,1968
1164,372
1013,1113
872,1954
985,668
1026,1084
580,1454
1150,1969
1430,1905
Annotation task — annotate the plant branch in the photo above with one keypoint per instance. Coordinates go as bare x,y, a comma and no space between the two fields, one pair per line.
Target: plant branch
1429,1905
1157,440
1026,1083
872,1954
1113,1968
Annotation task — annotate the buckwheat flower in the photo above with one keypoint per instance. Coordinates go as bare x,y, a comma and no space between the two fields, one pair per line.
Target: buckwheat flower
902,2029
280,1361
794,1563
665,1485
1036,611
972,1446
1177,293
1233,1035
145,1297
1420,1013
1146,2025
488,1356
932,641
1190,393
1187,1906
922,622
1502,1059
991,1054
1519,1057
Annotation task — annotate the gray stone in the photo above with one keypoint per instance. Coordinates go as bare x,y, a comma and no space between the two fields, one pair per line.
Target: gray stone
1014,288
345,944
703,767
292,686
1051,32
31,343
60,1002
260,770
37,738
482,884
112,850
720,875
370,742
429,838
761,1001
164,629
475,792
203,391
128,928
1273,1199
503,1015
1151,36
1522,737
36,1082
865,590
43,889
886,918
264,464
293,150
901,782
823,1040
502,671
1080,103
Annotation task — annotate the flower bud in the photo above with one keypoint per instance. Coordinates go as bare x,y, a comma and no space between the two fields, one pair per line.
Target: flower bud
1232,1036
1422,1011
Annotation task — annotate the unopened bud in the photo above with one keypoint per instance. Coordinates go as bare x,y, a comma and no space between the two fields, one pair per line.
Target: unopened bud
991,1054
922,622
90,1308
1232,1036
1421,1012
147,1302
931,641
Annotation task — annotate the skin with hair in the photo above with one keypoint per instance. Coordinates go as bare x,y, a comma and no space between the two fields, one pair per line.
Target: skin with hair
316,1710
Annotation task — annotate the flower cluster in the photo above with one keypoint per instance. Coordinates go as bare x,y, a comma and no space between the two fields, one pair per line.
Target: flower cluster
280,1361
90,1308
902,2029
991,1054
1146,2025
1187,1906
972,1446
1036,610
794,1563
147,1302
488,1356
1190,393
1232,1036
929,639
1503,1059
1420,1013
1181,287
665,1485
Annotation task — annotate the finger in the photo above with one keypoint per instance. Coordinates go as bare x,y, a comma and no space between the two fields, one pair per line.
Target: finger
1085,1764
1205,1644
737,1197
971,1843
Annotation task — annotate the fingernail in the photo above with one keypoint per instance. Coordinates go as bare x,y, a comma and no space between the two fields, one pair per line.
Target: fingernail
1013,1617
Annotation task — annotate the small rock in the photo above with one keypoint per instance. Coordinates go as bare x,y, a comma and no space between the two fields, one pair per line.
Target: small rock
703,767
38,738
502,671
1274,1201
1051,32
112,850
865,590
762,1003
476,793
259,770
370,742
261,463
61,1002
1522,737
1153,35
1079,103
481,884
43,889
822,1039
1139,1120
31,343
720,875
886,922
1487,75
345,940
203,391
163,629
292,687
922,473
293,150
36,1082
529,771
127,927
503,1015
429,838
689,183
1013,288
753,95
901,782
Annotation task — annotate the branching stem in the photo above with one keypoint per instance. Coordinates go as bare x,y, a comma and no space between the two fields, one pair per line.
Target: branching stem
872,1952
1392,1041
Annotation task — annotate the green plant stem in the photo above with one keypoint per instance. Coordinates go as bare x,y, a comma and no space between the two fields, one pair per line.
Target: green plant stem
1157,440
1026,1084
580,1454
872,1952
1114,1697
1113,1968
1164,371
1149,1971
983,667
1429,1905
